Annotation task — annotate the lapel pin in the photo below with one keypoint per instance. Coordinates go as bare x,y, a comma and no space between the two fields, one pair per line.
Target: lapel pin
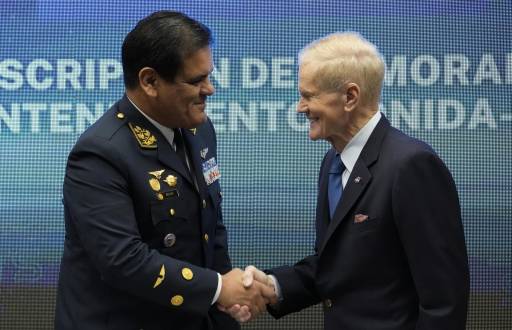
203,153
358,179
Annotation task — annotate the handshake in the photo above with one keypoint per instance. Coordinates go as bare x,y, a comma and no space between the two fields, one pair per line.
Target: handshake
245,294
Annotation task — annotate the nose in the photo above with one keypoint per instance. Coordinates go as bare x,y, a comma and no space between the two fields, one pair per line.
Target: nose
207,88
302,107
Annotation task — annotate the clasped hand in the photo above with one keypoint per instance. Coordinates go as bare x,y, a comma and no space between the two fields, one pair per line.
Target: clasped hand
245,294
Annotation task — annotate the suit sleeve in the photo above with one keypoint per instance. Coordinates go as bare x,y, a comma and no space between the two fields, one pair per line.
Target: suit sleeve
297,286
427,215
98,202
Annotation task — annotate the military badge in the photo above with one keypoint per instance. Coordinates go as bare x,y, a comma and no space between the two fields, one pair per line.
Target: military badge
157,174
211,171
144,137
171,180
155,184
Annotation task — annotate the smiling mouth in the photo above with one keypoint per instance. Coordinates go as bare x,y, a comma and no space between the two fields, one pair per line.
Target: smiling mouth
312,120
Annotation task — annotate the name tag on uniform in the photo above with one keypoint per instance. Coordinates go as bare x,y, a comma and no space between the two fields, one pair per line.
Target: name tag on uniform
211,171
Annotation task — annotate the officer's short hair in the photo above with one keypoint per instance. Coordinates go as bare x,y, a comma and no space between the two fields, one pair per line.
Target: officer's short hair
161,41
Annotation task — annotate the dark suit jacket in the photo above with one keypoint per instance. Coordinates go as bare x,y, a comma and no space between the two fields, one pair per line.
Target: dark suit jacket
405,266
116,270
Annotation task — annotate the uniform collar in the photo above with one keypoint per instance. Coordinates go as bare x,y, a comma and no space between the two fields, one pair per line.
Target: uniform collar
167,132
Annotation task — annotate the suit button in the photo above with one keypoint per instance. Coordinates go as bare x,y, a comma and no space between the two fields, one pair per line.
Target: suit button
172,212
169,240
328,303
206,237
204,204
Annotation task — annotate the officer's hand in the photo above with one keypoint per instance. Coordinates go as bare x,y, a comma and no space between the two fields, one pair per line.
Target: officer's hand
254,297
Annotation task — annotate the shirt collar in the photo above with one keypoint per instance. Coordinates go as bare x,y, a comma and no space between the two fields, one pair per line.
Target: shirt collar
353,149
167,132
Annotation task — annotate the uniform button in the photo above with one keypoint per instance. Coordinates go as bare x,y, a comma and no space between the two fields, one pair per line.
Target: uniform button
120,115
204,204
172,212
160,196
206,237
169,240
187,274
177,300
328,303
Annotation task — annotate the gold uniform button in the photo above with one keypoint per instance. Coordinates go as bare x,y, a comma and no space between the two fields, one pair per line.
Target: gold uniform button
204,204
187,274
172,212
120,115
206,237
160,196
177,300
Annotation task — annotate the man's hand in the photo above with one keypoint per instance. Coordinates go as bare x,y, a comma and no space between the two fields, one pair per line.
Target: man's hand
251,299
252,278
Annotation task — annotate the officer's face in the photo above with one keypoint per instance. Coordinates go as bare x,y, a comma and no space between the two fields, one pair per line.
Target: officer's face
182,103
324,109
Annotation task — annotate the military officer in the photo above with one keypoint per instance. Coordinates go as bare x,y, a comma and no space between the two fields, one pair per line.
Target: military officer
145,245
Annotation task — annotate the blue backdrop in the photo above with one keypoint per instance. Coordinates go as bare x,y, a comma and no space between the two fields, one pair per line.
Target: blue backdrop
448,82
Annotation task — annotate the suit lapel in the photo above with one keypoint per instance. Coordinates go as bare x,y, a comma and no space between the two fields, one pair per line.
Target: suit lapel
322,214
351,193
359,179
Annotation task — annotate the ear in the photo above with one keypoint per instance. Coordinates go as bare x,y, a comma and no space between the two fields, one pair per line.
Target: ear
148,81
352,95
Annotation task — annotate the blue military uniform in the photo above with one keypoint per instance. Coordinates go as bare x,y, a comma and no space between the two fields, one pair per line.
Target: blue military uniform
144,234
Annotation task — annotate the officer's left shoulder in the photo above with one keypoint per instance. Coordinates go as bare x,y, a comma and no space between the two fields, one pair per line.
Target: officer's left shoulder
205,131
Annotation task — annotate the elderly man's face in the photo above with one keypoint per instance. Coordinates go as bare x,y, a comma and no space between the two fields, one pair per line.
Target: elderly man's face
324,109
182,103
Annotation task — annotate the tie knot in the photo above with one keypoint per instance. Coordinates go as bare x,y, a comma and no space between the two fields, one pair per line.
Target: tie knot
337,166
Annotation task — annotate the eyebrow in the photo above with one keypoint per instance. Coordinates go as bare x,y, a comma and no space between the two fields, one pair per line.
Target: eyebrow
200,77
304,92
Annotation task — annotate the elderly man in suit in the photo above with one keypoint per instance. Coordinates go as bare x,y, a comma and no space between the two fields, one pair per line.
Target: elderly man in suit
390,250
145,245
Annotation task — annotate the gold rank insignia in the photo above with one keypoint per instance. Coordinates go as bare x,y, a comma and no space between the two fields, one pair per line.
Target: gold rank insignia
193,131
144,137
171,180
160,277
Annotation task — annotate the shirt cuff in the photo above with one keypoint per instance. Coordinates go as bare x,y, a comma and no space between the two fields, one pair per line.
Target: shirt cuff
219,287
277,288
